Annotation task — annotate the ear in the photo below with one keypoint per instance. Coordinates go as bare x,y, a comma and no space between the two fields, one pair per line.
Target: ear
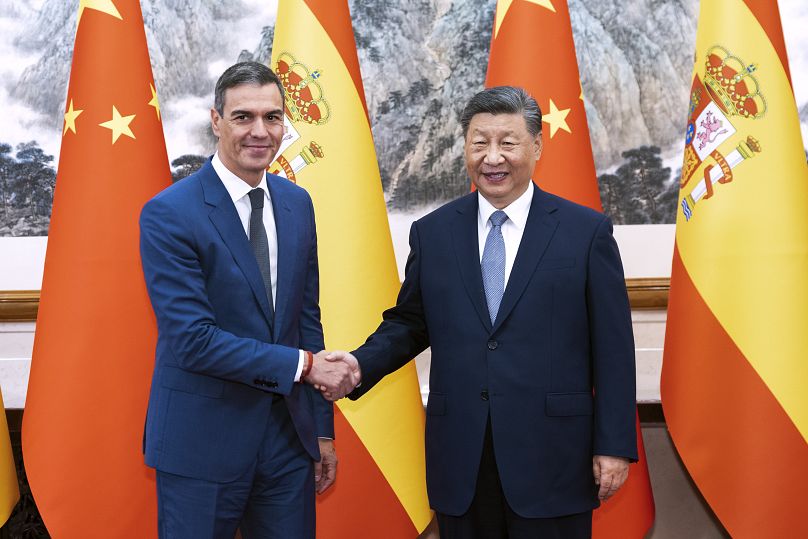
537,146
214,121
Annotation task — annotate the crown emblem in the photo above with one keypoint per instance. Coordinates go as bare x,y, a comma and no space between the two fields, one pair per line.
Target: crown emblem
304,95
732,85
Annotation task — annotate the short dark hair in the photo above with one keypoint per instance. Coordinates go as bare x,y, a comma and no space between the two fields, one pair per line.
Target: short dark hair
243,73
503,100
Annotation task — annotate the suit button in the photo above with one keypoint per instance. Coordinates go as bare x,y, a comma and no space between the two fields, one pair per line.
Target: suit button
492,345
484,395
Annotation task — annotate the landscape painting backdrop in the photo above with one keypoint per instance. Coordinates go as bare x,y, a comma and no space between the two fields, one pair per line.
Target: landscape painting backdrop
420,60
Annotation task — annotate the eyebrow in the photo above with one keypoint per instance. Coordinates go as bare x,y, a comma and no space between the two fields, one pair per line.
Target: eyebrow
251,113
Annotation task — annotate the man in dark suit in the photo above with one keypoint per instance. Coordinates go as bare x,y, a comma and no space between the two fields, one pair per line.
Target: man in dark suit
521,295
230,260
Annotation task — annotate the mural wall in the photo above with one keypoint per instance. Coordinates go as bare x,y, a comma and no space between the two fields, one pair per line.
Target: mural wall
420,59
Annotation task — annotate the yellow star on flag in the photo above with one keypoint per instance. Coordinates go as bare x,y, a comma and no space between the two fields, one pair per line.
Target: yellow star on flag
504,5
104,6
119,125
557,119
70,119
154,102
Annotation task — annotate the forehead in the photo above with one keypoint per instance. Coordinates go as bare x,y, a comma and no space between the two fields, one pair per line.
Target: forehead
487,123
253,97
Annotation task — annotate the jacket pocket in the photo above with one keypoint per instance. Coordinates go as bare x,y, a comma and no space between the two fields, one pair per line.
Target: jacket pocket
189,382
569,404
556,263
436,405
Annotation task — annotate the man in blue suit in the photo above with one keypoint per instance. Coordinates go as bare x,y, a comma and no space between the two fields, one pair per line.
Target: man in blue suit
230,260
521,295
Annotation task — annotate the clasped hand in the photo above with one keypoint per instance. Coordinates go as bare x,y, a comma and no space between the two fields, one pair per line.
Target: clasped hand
334,373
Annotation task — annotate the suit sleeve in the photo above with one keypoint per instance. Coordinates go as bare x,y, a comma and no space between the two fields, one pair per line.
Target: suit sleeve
185,317
311,335
402,334
612,343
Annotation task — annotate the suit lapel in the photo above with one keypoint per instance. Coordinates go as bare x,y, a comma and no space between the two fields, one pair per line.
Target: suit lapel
467,250
539,230
286,228
224,217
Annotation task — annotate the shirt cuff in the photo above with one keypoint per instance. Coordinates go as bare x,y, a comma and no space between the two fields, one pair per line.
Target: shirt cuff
300,360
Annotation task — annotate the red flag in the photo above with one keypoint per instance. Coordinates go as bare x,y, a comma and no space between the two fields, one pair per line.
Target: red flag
94,346
541,29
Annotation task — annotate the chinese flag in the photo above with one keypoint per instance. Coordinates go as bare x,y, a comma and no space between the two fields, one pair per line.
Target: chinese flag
94,346
381,490
735,374
541,30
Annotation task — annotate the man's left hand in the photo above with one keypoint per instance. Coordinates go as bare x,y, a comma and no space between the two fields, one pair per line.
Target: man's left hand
325,471
610,474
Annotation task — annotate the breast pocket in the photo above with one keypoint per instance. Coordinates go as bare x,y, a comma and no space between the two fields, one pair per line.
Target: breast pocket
556,264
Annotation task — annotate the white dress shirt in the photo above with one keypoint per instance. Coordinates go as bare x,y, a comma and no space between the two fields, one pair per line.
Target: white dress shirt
512,229
239,191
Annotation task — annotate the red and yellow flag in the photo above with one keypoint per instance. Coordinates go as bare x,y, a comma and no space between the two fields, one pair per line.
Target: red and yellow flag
541,30
94,345
735,374
381,486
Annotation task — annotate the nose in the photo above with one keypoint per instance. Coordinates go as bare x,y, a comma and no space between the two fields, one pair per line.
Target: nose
258,129
492,155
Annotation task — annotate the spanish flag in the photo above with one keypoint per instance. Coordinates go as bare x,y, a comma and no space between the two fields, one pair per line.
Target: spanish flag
735,374
95,336
381,485
541,30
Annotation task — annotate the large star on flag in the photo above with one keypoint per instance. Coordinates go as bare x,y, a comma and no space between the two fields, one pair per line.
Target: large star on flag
70,118
504,5
104,6
557,119
154,102
119,125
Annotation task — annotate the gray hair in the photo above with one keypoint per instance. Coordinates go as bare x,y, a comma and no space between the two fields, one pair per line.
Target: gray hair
243,73
503,100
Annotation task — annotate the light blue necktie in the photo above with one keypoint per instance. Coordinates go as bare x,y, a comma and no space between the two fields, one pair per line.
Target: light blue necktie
492,264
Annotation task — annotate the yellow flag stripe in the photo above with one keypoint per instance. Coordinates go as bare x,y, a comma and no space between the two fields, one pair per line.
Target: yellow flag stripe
9,488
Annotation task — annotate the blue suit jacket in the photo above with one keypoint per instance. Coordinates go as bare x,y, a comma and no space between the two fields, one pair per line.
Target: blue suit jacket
219,359
555,371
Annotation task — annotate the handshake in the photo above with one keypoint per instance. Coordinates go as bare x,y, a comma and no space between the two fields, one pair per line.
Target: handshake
335,374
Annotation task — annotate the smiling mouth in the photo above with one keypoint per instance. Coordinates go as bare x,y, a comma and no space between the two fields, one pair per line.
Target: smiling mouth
495,176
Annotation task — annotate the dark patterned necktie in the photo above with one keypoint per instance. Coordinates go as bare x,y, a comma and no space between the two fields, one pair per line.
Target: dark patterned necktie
260,244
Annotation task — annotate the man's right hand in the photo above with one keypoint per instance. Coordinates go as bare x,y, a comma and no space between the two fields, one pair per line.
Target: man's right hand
335,376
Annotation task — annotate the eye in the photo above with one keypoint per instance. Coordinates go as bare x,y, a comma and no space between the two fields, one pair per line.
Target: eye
274,119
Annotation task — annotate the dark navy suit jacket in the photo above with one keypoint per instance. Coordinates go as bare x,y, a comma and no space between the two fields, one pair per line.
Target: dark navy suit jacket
555,371
219,358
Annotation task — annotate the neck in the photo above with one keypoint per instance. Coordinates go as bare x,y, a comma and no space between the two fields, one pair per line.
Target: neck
252,182
251,179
